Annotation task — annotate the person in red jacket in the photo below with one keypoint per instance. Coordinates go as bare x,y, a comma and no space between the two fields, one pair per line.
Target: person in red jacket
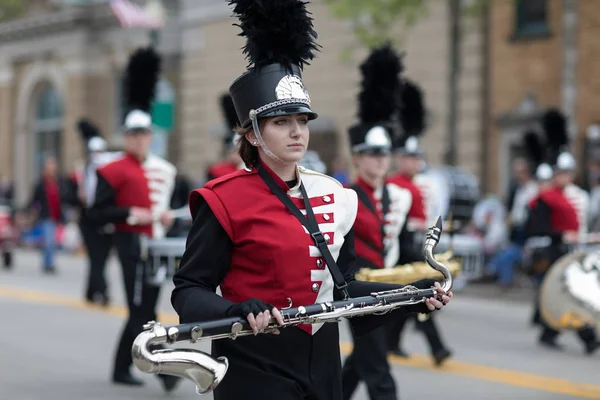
251,238
133,192
232,161
382,210
553,216
409,157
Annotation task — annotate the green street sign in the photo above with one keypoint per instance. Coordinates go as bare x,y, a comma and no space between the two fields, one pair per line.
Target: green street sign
163,107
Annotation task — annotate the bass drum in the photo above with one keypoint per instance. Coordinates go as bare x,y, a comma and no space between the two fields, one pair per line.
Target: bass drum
570,292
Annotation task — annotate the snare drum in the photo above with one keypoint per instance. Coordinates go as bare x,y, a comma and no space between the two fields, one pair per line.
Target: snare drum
161,258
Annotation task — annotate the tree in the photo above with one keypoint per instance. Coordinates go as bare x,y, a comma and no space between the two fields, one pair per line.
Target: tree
11,9
376,21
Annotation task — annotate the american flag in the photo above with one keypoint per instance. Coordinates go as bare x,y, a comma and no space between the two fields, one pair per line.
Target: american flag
131,15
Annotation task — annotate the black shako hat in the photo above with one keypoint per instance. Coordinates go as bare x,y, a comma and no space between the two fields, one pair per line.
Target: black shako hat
412,120
279,42
377,102
142,75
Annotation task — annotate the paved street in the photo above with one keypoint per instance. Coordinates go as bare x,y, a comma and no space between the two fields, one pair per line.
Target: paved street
53,346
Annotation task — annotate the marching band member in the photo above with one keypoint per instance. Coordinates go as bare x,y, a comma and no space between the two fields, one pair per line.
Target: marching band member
134,192
250,237
409,159
97,240
552,215
382,210
232,161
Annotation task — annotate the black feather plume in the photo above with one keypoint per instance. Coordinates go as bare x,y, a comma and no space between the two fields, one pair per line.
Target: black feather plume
141,77
554,124
378,98
276,31
534,148
412,109
228,110
87,129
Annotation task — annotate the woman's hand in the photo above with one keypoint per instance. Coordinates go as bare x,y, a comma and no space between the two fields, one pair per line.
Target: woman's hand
434,303
262,320
258,313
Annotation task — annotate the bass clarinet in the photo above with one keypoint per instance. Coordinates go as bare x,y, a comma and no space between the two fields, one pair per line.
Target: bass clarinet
207,372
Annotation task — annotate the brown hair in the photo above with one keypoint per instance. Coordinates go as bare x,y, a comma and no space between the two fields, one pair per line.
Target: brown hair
248,152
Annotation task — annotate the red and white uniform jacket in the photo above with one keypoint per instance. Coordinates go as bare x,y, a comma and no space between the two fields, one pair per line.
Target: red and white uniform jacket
551,214
273,256
126,182
580,199
417,217
376,235
221,169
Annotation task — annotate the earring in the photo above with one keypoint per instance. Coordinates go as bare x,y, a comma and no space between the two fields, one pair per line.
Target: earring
255,143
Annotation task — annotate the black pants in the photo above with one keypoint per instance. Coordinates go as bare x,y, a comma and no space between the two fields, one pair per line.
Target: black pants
368,363
428,327
291,366
141,298
97,245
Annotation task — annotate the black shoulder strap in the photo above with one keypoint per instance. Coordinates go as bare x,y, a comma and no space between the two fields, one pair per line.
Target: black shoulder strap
310,222
385,206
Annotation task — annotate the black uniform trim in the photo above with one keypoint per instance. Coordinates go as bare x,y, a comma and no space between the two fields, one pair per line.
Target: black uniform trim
538,222
408,250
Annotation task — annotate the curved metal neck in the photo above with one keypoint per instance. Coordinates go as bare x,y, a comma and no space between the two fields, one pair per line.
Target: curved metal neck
431,240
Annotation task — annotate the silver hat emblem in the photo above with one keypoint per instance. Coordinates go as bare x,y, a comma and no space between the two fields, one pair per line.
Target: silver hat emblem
291,87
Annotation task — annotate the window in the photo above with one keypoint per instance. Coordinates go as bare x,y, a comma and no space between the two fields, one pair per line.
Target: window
47,127
531,17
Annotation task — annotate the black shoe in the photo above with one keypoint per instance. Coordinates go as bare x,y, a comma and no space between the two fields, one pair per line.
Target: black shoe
591,347
441,355
127,379
169,382
98,298
50,271
549,343
400,353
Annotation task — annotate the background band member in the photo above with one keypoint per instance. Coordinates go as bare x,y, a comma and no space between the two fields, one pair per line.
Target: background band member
382,210
250,238
409,159
97,239
553,215
232,160
134,193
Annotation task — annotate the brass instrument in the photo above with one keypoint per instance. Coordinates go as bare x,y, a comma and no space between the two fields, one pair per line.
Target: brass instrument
407,273
207,372
570,292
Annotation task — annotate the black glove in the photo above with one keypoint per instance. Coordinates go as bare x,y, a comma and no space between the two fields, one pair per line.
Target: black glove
252,306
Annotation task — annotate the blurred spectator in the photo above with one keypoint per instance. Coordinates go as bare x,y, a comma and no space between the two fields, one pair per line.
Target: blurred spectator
339,171
6,190
50,196
489,224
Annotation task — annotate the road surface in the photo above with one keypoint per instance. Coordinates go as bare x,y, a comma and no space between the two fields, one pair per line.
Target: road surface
54,346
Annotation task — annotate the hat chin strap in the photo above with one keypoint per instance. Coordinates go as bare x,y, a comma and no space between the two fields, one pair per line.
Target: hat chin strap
261,142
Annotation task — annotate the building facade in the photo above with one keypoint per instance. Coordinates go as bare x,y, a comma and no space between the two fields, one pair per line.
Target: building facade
60,62
543,54
213,59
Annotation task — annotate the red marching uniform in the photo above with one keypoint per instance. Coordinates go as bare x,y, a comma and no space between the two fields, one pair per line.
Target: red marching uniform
551,215
221,169
248,235
142,180
382,212
122,184
416,215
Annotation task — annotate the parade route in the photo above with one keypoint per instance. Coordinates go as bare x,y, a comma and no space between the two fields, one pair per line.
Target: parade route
54,345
